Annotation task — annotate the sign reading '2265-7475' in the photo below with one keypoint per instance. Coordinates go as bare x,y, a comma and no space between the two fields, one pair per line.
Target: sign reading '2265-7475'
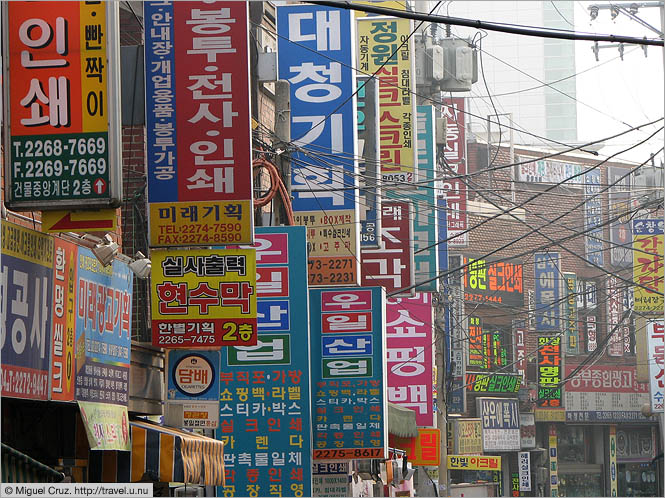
62,105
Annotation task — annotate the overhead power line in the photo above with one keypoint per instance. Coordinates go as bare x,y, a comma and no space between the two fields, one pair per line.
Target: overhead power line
489,26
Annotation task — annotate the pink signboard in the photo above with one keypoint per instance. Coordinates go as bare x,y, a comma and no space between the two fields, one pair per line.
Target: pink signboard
409,355
454,153
391,266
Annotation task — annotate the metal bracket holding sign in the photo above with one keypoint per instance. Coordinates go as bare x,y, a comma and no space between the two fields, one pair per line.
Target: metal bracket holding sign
61,90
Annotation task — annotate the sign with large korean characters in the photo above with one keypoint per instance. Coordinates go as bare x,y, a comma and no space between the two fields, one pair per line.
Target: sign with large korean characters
500,422
204,298
62,105
198,123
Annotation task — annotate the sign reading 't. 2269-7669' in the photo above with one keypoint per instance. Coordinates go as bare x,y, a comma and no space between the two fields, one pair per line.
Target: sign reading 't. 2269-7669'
62,105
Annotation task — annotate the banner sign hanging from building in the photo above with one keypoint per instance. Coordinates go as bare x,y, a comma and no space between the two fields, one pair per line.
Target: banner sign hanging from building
27,303
620,211
392,266
454,153
348,373
656,357
548,291
198,123
614,296
549,171
409,355
315,49
385,48
492,383
524,464
103,329
368,161
570,305
62,74
519,331
479,344
648,265
265,412
550,370
593,216
206,298
500,422
495,282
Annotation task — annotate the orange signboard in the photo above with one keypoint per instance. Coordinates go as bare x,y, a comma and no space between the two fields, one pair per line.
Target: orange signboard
422,450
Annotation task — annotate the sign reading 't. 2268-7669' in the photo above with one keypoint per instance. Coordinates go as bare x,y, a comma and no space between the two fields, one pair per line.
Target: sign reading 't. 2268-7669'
62,105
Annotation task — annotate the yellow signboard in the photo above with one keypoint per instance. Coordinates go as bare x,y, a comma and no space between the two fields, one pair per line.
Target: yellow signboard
474,462
550,415
378,39
468,437
203,298
648,265
101,220
106,425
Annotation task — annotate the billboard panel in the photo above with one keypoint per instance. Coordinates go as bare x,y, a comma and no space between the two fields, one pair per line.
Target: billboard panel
348,374
494,282
593,216
656,357
62,80
648,265
550,370
315,49
198,124
548,291
620,210
204,297
500,423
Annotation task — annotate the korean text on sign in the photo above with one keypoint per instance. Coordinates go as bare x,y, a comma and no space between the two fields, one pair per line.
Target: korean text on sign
62,75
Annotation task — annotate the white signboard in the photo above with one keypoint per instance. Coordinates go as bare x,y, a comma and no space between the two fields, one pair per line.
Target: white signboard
548,171
524,462
656,356
330,479
501,425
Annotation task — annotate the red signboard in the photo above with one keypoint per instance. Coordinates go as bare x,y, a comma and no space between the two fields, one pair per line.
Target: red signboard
392,266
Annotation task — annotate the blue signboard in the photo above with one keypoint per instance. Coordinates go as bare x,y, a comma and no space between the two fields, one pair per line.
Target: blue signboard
193,375
103,330
350,404
593,213
26,294
548,291
265,389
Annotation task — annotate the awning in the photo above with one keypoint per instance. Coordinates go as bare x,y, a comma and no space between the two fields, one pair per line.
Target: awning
161,454
18,467
401,421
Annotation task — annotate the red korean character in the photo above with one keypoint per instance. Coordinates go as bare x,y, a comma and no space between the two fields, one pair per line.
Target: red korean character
203,297
236,294
168,292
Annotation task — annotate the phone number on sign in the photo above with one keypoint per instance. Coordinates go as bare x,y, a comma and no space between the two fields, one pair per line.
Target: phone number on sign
330,454
194,334
24,383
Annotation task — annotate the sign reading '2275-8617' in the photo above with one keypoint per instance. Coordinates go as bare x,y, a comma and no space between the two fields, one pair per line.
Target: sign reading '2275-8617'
62,105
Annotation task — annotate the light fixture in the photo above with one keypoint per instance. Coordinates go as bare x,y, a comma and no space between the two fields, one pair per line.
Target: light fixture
614,12
106,250
141,266
593,11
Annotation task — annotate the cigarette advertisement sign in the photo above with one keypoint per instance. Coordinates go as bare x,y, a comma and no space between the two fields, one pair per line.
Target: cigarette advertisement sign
409,355
205,297
648,265
453,187
61,80
548,287
316,47
425,449
500,423
103,329
656,357
386,48
27,302
392,266
265,409
348,373
197,123
495,282
193,383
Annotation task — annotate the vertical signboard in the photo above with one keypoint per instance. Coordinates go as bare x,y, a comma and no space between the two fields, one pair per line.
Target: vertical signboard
265,389
454,154
103,330
26,288
570,305
409,354
62,79
64,308
392,266
614,297
550,372
656,359
524,464
500,422
348,373
548,280
554,461
385,47
368,162
593,215
206,297
193,384
315,48
620,210
613,460
519,333
478,357
197,123
648,265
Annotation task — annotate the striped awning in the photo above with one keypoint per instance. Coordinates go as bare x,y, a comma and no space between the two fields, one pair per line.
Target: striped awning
19,467
161,454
